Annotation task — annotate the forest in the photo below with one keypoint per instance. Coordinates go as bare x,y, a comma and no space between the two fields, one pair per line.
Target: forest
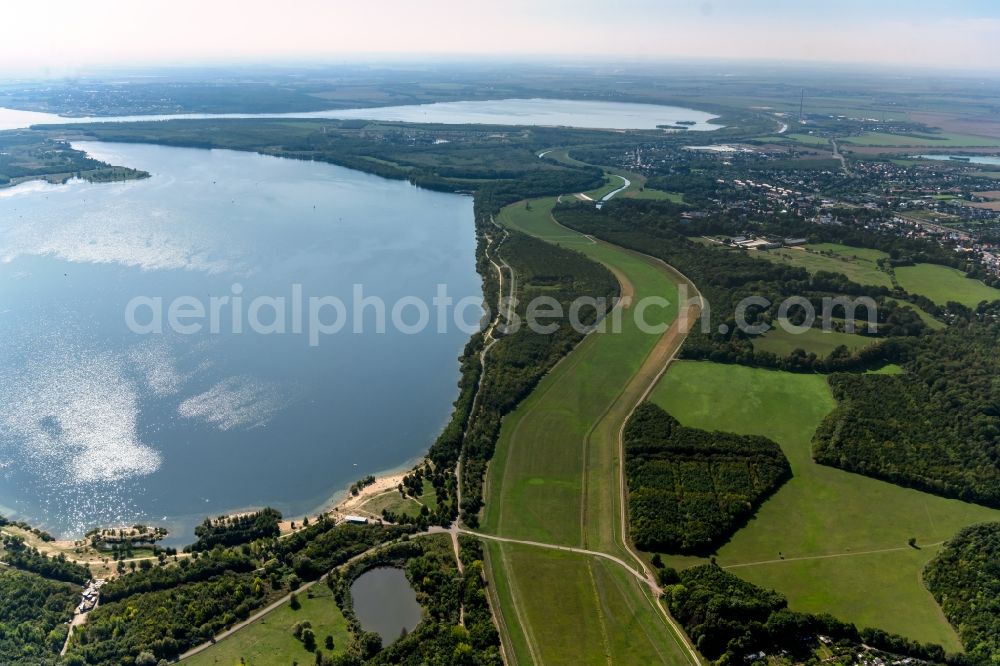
33,617
965,580
690,489
942,417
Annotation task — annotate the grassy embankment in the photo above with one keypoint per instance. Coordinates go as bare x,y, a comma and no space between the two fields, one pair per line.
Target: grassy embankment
555,479
812,539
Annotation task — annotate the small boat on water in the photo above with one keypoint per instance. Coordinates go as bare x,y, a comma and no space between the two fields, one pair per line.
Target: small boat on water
959,158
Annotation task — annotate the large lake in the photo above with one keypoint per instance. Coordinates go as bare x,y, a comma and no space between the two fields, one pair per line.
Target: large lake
103,425
569,113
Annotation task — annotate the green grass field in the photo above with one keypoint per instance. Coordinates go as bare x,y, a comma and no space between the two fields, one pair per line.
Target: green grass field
808,139
827,517
782,343
393,501
656,195
554,478
858,264
942,140
942,284
626,631
269,640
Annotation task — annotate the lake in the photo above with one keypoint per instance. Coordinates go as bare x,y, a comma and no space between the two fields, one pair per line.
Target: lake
569,113
102,423
385,603
971,159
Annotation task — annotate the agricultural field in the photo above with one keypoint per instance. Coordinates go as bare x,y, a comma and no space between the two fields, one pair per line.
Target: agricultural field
942,140
269,640
858,264
942,284
780,342
831,541
554,477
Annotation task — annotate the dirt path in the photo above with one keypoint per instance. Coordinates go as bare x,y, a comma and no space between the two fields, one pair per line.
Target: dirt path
830,556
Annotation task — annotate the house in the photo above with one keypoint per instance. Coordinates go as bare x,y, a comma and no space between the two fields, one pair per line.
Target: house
792,242
356,520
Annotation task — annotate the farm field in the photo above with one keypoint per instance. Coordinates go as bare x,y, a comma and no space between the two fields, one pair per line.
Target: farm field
943,283
813,539
858,264
554,476
782,343
269,640
942,140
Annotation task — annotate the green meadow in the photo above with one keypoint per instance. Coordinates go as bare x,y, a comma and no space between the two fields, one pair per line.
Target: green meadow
858,264
943,283
831,541
269,640
782,343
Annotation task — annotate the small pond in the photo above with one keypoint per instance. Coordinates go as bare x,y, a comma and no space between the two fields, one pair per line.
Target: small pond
385,603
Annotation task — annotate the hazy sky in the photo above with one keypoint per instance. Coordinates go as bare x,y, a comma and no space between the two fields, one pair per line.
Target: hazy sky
60,37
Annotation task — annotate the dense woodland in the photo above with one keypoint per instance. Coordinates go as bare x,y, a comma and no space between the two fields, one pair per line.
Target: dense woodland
690,489
33,617
729,619
942,417
965,580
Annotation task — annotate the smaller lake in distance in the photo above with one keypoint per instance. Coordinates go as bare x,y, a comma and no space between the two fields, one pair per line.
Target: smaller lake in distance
542,112
970,159
385,603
